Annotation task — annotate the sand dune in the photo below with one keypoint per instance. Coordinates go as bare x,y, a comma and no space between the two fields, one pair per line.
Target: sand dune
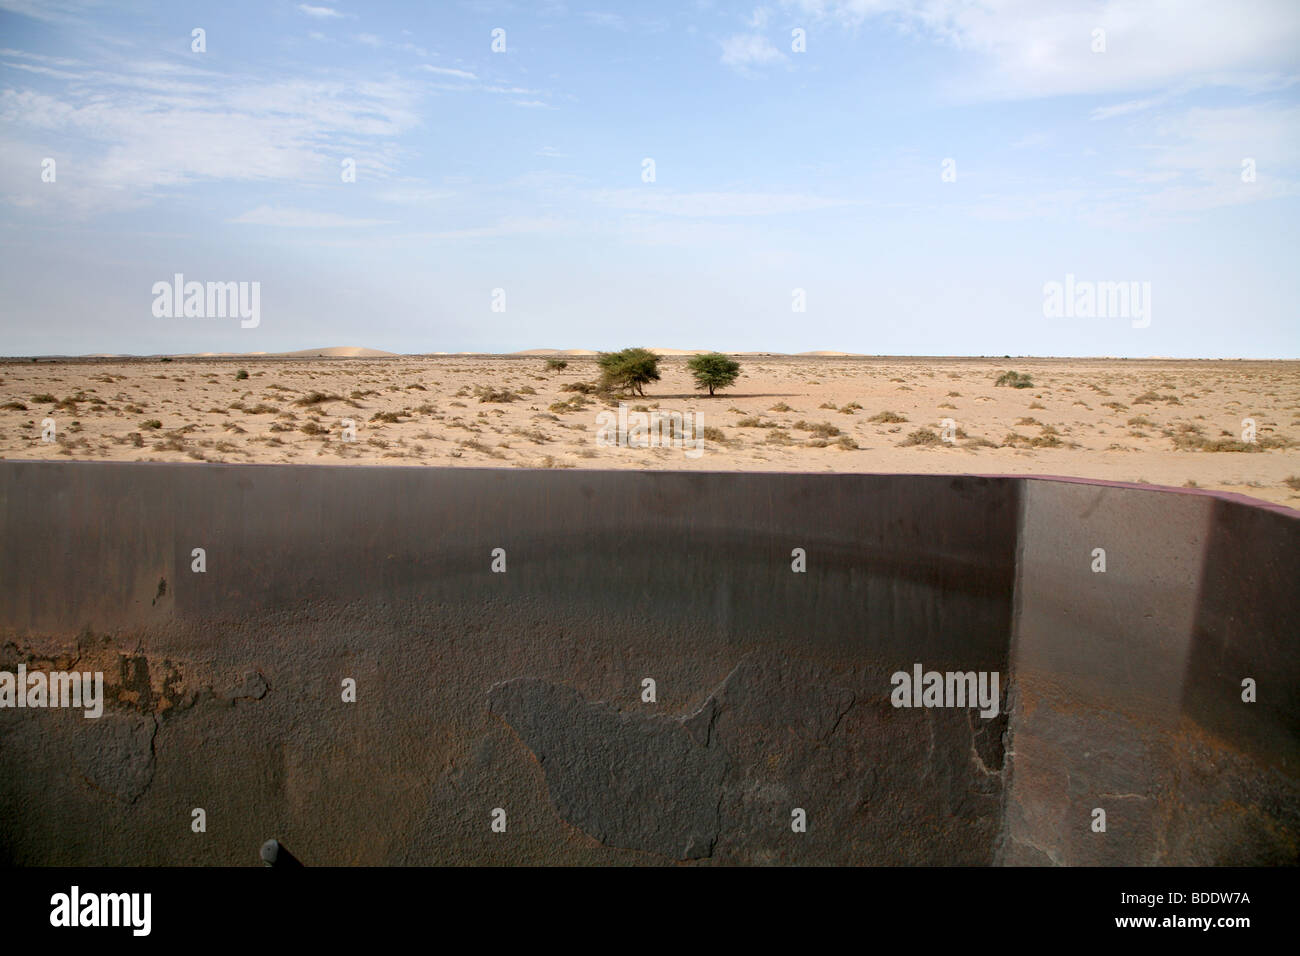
552,353
337,351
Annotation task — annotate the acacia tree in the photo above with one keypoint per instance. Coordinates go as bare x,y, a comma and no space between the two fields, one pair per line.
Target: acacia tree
713,370
630,370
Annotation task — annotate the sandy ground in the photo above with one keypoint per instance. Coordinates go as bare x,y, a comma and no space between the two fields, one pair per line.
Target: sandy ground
1165,422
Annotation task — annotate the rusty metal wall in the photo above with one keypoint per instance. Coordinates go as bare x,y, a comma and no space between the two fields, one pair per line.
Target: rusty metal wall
522,691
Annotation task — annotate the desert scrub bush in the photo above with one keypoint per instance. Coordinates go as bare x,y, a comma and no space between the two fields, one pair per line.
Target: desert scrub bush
14,407
1117,406
486,393
1015,380
1048,440
534,435
628,370
311,428
1293,483
44,397
261,408
714,433
887,418
556,365
849,409
241,375
1149,398
1037,405
574,403
922,436
820,429
527,390
582,388
780,407
831,405
151,423
779,436
392,418
1191,437
844,441
753,422
476,445
318,398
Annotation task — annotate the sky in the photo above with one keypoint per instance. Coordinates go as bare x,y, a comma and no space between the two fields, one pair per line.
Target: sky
874,176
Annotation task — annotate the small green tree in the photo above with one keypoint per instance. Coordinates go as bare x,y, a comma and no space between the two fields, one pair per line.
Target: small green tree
630,370
713,370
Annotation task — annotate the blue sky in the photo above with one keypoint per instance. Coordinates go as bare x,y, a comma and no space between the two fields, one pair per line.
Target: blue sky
775,170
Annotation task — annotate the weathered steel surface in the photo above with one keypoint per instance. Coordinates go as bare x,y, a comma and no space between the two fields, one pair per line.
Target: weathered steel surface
522,690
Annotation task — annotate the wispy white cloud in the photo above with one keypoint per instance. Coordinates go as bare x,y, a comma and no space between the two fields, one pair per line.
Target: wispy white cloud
604,19
714,204
302,219
745,50
412,195
1127,107
448,71
321,13
1023,49
153,125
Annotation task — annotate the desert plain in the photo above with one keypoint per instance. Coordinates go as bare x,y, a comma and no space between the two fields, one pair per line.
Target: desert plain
1223,425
